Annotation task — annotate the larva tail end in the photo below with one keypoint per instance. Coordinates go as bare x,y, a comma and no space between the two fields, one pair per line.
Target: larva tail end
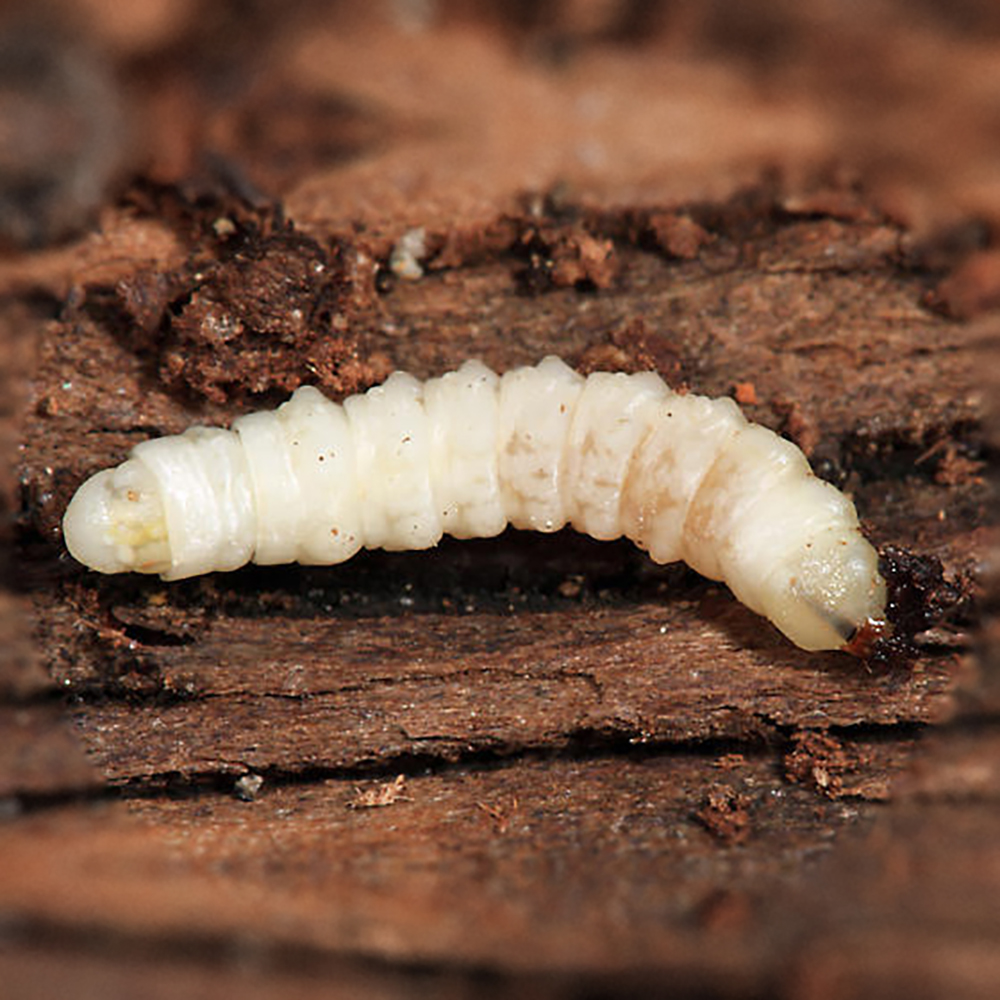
115,522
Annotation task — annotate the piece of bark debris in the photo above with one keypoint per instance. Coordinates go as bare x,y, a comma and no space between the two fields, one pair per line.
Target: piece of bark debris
248,787
678,235
407,253
834,769
953,468
820,761
796,425
269,316
501,815
257,307
745,394
558,257
582,259
726,814
730,762
633,348
572,586
379,794
919,595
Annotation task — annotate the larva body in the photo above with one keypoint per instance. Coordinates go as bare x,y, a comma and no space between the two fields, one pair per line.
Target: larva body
682,476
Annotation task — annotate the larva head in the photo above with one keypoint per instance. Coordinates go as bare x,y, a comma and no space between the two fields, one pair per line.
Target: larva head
115,523
795,553
831,593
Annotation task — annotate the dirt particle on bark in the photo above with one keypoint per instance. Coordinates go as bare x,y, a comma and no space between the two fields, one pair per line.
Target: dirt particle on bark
380,794
678,235
821,762
632,348
257,307
953,466
725,813
564,257
796,424
919,593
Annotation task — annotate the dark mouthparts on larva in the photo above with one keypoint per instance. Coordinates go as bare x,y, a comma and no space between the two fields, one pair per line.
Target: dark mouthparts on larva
858,639
918,597
870,640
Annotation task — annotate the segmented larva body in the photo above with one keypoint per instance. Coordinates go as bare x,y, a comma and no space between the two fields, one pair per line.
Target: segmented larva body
682,476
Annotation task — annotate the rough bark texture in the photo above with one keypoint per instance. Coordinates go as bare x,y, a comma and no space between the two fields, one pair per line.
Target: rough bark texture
533,765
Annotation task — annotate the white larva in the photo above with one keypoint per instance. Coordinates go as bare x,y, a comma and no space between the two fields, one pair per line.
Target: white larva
682,476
